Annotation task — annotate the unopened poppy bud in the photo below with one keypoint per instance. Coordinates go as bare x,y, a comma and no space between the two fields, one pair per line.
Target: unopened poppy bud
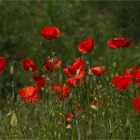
68,126
12,70
127,123
94,104
94,107
12,84
114,64
14,120
53,53
42,89
87,62
78,72
69,118
30,69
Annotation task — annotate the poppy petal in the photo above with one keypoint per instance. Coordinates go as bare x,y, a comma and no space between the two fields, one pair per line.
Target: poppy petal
2,63
136,104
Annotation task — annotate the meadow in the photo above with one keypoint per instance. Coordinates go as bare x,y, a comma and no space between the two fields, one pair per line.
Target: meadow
64,76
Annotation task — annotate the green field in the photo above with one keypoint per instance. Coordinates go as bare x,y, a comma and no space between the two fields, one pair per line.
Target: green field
20,26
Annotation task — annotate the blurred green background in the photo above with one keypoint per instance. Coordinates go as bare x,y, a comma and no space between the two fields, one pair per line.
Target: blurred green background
21,22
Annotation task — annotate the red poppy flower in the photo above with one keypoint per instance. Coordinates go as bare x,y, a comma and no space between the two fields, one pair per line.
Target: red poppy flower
50,33
121,82
119,43
98,71
57,88
69,118
67,72
76,70
128,73
77,65
52,65
39,81
86,46
134,73
71,81
62,91
80,74
136,104
136,77
29,64
77,79
29,94
2,63
137,84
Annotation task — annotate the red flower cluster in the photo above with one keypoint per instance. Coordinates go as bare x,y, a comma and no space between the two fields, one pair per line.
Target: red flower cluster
131,75
51,65
76,73
30,93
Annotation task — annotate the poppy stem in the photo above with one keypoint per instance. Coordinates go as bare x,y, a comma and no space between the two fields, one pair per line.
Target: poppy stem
78,131
110,129
12,80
